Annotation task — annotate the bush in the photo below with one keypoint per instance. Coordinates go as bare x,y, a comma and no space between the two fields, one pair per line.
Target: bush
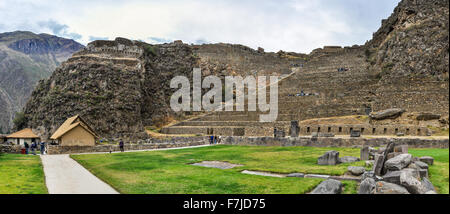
19,121
150,50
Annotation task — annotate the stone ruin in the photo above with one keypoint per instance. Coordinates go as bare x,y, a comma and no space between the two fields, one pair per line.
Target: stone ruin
394,171
119,48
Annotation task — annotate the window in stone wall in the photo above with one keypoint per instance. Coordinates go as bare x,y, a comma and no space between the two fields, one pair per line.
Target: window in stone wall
362,130
385,131
374,130
396,131
407,131
308,129
329,129
351,129
340,129
318,129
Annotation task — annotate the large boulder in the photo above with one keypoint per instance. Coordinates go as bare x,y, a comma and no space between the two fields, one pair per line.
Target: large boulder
348,159
387,114
367,186
421,165
428,116
329,158
427,159
356,170
394,176
398,163
428,185
411,183
328,187
382,187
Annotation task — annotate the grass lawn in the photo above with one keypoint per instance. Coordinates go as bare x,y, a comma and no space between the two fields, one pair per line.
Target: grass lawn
169,172
21,174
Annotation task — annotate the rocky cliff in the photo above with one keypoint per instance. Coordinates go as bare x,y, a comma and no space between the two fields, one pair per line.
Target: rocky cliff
410,56
118,86
25,58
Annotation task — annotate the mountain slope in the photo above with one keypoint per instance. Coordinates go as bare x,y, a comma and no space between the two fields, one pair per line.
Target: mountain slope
25,58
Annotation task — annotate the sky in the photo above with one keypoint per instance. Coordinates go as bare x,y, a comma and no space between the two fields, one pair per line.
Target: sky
288,25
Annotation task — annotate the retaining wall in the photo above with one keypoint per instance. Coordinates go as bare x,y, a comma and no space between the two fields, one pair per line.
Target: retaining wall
157,144
335,142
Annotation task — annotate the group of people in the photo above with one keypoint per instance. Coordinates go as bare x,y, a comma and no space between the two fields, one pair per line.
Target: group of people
303,94
214,139
34,146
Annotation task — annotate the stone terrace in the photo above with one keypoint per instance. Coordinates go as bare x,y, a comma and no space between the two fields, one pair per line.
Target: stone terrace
331,93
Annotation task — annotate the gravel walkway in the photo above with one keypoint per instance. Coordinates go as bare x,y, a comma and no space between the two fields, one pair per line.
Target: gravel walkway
63,175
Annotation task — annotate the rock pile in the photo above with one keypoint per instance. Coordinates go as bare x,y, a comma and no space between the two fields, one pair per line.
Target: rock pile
395,171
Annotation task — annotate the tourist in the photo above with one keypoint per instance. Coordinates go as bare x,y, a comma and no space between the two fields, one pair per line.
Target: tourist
42,144
215,139
27,147
33,148
121,145
211,139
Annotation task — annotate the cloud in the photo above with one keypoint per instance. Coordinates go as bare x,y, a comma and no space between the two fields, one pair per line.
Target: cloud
290,25
157,40
59,29
93,38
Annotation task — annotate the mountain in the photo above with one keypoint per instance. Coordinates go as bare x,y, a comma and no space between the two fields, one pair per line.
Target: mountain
26,58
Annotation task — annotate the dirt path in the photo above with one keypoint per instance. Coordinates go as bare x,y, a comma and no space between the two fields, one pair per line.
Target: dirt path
63,175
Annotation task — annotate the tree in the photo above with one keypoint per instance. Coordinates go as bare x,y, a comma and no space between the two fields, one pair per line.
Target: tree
19,121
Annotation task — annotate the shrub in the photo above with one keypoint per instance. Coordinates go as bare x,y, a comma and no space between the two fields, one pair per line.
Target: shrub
19,121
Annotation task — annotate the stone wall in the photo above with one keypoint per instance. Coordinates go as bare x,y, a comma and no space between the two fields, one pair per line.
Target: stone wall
13,149
334,142
157,144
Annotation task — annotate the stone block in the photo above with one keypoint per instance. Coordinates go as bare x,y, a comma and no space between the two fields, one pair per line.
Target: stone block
378,164
356,170
328,187
398,163
364,153
329,158
401,149
427,159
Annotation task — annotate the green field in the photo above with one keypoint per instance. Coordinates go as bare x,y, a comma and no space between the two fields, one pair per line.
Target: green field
21,174
169,172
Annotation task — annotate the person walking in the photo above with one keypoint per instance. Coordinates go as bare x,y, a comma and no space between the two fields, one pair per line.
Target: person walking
211,139
33,148
121,145
42,144
27,148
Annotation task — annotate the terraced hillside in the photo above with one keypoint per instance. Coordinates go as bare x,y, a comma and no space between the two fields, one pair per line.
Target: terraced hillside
402,67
